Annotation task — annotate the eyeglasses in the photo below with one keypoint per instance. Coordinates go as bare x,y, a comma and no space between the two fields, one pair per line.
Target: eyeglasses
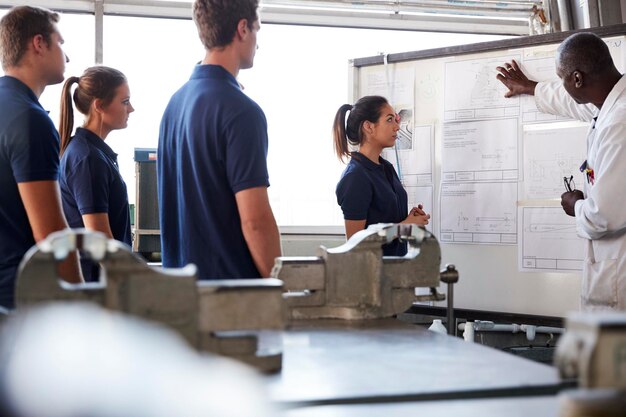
569,183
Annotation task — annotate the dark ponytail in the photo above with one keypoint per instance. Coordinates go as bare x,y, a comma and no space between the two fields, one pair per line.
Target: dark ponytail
339,132
349,132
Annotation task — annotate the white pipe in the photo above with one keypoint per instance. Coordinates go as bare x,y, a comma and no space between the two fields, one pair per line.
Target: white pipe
530,330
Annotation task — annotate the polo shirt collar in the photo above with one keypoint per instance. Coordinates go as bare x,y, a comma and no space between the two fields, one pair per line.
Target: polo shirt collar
15,84
96,141
366,162
216,72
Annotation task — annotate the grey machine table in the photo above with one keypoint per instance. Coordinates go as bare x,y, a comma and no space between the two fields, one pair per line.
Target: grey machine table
388,362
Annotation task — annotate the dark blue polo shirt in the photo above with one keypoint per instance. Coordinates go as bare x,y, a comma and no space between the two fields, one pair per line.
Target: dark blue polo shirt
212,144
91,183
373,192
29,151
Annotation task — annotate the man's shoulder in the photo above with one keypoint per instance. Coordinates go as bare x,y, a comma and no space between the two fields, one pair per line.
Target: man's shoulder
21,120
213,94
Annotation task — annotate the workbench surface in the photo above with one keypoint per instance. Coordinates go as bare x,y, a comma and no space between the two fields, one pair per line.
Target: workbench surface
342,362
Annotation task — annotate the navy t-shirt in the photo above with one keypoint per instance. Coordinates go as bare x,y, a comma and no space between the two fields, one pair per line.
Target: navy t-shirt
91,183
212,144
373,192
29,151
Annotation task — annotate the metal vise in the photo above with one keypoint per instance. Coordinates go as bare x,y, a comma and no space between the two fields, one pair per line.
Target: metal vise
216,316
355,281
593,349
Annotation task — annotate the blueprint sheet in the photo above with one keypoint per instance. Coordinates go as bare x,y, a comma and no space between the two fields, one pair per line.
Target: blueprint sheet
473,92
480,150
552,152
478,212
548,241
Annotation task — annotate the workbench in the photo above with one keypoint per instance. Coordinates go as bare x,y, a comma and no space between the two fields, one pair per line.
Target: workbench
391,366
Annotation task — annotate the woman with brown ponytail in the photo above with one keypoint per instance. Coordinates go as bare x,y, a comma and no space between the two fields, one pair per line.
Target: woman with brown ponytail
370,191
93,192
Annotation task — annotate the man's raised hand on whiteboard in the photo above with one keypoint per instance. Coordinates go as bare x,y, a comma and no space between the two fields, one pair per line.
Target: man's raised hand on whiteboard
514,79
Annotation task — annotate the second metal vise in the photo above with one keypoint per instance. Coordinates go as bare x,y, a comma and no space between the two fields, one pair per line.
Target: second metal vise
355,281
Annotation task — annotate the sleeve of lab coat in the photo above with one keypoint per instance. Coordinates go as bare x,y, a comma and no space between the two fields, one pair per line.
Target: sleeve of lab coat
551,97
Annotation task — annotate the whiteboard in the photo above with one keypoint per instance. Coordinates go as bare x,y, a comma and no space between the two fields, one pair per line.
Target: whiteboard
493,201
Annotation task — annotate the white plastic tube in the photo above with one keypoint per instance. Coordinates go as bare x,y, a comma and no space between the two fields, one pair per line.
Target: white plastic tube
489,326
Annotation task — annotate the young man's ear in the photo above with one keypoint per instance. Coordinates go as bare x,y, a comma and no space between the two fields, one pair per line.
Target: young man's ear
242,28
39,43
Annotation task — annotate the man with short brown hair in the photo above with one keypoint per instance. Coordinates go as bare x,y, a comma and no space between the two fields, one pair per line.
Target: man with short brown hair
212,168
30,206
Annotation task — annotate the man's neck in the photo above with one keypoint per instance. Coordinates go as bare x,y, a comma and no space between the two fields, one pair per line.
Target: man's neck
225,57
606,86
28,77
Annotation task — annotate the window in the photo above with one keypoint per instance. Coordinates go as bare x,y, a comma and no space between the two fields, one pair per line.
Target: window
300,78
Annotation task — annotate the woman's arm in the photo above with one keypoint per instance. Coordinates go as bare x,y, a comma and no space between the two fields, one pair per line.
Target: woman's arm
353,226
98,222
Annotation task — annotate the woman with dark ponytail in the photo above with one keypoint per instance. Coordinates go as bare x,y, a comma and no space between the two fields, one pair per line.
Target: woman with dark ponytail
370,191
93,192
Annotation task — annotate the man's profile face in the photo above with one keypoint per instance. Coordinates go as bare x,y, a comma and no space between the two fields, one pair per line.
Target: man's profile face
55,59
251,45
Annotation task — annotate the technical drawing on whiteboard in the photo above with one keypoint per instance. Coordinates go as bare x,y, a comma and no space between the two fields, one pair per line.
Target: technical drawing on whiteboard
549,155
416,160
548,241
480,150
538,65
396,85
478,213
472,90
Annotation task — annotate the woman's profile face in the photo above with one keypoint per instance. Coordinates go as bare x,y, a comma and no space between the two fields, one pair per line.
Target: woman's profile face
385,130
115,114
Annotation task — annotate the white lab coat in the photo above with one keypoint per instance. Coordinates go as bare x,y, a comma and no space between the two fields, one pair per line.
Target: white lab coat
601,216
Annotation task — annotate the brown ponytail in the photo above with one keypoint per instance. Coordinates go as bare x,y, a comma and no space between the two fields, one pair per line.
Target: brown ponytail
66,122
349,131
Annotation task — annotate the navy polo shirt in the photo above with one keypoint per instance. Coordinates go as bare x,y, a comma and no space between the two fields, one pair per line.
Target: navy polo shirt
373,192
29,151
91,183
212,144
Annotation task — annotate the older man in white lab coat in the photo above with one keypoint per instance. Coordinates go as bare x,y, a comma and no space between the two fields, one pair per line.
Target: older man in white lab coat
593,90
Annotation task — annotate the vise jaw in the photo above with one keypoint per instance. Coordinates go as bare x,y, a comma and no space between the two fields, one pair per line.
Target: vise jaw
354,281
218,316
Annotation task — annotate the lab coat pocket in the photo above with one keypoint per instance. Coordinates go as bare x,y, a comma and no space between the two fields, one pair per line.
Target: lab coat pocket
600,283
